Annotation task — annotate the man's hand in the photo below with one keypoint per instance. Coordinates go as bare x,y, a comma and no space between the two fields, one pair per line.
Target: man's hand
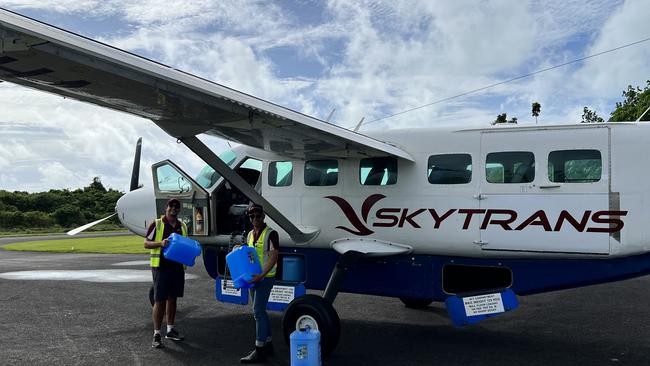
257,278
164,243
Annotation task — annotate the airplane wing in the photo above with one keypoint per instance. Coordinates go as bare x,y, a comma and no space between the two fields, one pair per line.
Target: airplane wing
51,59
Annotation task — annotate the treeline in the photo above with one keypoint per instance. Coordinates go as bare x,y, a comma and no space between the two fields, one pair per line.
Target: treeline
58,210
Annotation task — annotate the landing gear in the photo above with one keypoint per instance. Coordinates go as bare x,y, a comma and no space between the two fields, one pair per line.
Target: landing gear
414,303
314,312
317,312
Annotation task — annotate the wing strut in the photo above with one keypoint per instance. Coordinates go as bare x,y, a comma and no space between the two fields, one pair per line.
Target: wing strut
204,152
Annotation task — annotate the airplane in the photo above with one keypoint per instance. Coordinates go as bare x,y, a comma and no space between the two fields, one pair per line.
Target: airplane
473,217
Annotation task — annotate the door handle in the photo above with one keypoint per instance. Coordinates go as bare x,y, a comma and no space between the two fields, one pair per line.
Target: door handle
550,186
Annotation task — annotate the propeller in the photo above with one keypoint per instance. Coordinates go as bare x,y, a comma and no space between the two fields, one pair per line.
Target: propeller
135,175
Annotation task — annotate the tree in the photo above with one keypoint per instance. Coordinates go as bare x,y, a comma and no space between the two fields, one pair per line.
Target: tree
589,116
68,216
96,185
503,118
636,102
537,108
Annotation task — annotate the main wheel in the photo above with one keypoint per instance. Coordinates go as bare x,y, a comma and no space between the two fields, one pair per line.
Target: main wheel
317,313
414,303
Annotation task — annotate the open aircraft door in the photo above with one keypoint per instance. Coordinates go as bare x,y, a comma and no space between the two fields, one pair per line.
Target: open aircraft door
172,182
520,175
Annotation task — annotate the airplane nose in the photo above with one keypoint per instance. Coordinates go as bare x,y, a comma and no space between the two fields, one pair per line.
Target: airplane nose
136,210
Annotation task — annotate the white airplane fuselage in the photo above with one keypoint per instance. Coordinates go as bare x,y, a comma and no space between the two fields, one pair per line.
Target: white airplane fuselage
472,221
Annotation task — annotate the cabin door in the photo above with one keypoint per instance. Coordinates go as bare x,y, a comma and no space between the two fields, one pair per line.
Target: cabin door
545,190
170,181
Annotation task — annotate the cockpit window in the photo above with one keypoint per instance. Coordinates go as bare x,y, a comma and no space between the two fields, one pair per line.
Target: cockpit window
208,177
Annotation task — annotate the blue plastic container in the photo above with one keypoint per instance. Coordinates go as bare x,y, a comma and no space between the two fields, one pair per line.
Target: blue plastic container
243,264
305,347
293,269
181,249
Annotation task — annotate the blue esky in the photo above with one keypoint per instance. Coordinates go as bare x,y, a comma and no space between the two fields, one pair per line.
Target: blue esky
363,58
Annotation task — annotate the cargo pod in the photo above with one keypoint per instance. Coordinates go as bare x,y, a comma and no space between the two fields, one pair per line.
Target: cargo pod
170,181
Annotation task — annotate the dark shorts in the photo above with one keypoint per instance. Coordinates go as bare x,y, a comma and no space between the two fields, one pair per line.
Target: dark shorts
167,284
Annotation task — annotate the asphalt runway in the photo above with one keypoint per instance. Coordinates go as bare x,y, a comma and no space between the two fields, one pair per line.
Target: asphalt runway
46,322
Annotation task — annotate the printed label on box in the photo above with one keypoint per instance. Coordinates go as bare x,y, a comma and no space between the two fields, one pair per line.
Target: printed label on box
282,294
483,304
230,289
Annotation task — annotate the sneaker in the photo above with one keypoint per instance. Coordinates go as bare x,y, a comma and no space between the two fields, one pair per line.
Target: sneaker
157,341
174,335
257,356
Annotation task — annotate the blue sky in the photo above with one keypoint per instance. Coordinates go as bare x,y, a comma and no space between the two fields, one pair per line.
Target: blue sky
363,58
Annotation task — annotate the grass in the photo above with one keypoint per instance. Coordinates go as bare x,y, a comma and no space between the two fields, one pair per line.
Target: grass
56,229
131,244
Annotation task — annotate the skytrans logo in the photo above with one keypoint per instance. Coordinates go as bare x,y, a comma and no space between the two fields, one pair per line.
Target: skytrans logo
589,221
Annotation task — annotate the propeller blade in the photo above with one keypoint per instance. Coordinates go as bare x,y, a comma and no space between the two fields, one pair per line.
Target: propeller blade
135,174
82,228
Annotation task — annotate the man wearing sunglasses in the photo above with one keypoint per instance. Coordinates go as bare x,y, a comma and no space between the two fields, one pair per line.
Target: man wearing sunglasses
168,276
266,243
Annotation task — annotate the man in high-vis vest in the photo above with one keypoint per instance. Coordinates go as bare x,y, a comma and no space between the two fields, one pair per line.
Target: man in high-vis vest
266,243
168,276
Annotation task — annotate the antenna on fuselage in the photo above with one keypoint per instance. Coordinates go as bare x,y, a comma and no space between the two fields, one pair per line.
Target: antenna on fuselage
356,129
330,115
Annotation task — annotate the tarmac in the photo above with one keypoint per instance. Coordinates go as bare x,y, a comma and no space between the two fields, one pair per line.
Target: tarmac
77,322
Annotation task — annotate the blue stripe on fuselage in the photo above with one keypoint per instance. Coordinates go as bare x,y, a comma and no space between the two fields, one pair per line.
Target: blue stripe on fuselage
420,275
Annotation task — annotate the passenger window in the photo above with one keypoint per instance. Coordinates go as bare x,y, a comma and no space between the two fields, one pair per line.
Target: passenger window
321,172
510,167
280,173
378,171
450,169
574,166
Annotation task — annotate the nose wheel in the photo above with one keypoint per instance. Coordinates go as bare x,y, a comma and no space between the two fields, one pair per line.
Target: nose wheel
316,313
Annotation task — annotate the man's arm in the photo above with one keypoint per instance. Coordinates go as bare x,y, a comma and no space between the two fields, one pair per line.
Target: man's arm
149,243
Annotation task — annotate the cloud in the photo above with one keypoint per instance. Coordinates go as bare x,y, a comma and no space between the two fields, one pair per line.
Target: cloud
365,59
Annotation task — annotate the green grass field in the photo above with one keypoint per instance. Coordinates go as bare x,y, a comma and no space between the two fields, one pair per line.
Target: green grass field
131,244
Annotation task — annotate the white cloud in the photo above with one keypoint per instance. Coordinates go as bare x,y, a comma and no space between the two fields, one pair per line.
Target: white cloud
371,59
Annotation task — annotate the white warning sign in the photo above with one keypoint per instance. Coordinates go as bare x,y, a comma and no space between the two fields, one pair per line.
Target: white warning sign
282,294
483,304
230,289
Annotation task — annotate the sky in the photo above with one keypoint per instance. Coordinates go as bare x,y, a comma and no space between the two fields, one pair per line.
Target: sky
360,59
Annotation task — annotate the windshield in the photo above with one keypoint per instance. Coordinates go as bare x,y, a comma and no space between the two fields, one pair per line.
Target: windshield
208,177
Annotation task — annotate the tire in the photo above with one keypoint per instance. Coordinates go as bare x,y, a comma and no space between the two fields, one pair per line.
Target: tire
414,303
312,308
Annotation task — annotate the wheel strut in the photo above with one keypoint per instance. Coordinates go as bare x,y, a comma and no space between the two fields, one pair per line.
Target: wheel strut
345,261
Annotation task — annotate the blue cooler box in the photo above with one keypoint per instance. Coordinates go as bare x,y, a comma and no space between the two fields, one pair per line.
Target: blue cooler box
243,264
182,250
305,348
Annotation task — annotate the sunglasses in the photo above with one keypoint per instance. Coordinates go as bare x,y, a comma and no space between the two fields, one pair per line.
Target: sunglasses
178,207
255,216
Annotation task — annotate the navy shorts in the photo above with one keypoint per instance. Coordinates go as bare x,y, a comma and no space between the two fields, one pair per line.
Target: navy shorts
167,284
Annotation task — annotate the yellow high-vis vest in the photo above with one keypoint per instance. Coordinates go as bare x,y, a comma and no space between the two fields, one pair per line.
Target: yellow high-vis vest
262,248
160,230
